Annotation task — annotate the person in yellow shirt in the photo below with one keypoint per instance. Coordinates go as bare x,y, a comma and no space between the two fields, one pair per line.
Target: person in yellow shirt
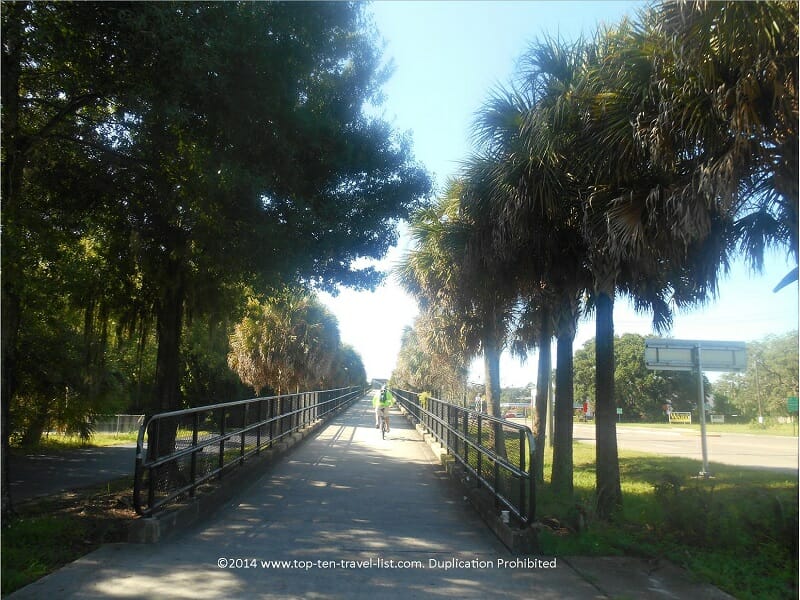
381,401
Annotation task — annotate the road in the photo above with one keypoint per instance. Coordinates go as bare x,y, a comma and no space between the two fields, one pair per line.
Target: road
747,450
39,474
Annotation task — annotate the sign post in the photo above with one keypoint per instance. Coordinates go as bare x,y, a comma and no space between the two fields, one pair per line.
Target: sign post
702,399
696,355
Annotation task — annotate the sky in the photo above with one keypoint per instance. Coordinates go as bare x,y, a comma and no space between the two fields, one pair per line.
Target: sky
448,56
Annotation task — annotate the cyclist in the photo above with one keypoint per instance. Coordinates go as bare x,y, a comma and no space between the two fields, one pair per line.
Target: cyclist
381,401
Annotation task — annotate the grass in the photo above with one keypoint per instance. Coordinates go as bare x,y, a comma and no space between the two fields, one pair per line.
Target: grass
738,531
49,533
780,429
55,442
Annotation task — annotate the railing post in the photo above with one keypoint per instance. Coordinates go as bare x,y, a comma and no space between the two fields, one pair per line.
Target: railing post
151,488
466,436
448,438
496,474
193,468
259,420
532,475
316,406
480,447
281,415
242,440
522,490
271,415
439,421
221,441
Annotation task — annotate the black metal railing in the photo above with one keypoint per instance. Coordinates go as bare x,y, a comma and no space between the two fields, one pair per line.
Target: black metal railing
178,452
498,453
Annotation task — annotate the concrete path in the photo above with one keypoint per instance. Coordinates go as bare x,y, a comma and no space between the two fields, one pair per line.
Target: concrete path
343,515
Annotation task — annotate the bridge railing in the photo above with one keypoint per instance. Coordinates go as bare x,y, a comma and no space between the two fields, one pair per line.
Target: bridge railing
178,452
496,452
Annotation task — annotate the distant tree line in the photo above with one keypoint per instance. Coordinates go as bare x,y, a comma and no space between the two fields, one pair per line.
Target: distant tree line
770,380
640,393
771,377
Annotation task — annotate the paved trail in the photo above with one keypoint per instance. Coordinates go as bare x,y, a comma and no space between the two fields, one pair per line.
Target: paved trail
351,516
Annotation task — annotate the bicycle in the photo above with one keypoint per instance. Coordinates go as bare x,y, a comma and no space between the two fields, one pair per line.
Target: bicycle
384,424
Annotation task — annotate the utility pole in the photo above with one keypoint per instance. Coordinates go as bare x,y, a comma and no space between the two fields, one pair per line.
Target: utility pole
758,394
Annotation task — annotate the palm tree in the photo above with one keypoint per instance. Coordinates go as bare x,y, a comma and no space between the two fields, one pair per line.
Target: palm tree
537,221
430,358
288,342
534,330
454,276
736,99
701,125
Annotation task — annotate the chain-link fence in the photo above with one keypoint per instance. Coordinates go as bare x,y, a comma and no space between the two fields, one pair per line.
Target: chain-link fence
118,424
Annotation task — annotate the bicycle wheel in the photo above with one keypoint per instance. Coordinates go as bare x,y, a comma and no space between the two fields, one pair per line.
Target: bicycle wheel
383,428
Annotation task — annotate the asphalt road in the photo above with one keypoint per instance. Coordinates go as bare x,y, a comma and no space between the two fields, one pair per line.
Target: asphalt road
34,475
746,450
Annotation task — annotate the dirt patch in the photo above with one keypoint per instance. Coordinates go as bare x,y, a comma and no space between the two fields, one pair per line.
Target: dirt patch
101,513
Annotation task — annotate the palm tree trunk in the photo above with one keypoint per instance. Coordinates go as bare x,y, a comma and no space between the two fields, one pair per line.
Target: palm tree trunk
609,491
542,388
491,367
561,480
491,362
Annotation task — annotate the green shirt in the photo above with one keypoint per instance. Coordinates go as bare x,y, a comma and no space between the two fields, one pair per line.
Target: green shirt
385,403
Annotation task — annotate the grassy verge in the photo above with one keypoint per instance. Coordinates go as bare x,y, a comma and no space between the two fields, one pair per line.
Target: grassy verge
738,530
46,534
779,429
70,442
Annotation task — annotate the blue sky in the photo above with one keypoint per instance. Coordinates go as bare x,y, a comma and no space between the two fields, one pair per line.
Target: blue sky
447,57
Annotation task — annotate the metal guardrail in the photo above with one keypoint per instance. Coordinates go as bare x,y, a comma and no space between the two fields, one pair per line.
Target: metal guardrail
179,451
498,453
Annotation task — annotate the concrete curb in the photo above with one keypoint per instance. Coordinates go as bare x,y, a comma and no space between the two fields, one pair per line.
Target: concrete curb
518,541
151,530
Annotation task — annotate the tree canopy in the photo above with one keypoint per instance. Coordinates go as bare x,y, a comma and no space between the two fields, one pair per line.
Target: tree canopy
160,158
639,163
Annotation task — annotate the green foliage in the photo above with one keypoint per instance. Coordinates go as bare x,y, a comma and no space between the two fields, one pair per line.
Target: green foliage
290,342
771,377
707,526
421,365
208,379
35,546
640,392
137,206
